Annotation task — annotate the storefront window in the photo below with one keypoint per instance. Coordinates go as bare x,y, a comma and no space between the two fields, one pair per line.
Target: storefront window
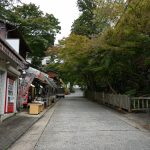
10,90
10,95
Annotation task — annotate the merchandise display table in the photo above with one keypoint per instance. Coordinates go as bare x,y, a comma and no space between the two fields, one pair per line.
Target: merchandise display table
35,108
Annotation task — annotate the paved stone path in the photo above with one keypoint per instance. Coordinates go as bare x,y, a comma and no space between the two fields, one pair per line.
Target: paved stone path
13,128
78,124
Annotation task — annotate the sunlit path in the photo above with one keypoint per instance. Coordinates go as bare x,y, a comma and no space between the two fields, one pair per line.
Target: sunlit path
77,93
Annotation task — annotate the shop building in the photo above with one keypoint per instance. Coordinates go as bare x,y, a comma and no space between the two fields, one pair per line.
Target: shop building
12,63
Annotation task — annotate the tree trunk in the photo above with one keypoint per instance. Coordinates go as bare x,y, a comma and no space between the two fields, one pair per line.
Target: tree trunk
111,88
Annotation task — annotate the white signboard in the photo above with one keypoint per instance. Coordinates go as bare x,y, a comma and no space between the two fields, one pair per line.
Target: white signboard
14,43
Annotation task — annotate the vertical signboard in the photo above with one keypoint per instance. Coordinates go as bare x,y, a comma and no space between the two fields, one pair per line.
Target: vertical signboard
24,86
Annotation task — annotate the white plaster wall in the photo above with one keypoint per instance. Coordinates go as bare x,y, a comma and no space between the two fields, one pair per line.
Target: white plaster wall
2,91
14,43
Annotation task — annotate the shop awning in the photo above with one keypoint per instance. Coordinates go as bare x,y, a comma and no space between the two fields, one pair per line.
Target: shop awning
51,82
42,76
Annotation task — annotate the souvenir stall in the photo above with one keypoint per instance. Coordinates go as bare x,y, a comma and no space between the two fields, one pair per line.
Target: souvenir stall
35,87
43,86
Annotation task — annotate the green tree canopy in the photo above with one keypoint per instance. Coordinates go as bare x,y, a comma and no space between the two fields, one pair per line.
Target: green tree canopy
118,59
39,29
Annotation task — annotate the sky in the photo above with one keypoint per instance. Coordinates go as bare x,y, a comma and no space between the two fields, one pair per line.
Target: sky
65,11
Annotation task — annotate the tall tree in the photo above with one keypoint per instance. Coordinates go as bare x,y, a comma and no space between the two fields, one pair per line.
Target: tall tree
84,24
72,52
97,15
39,29
107,13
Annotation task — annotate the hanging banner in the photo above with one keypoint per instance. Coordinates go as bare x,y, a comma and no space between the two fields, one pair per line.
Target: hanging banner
24,86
